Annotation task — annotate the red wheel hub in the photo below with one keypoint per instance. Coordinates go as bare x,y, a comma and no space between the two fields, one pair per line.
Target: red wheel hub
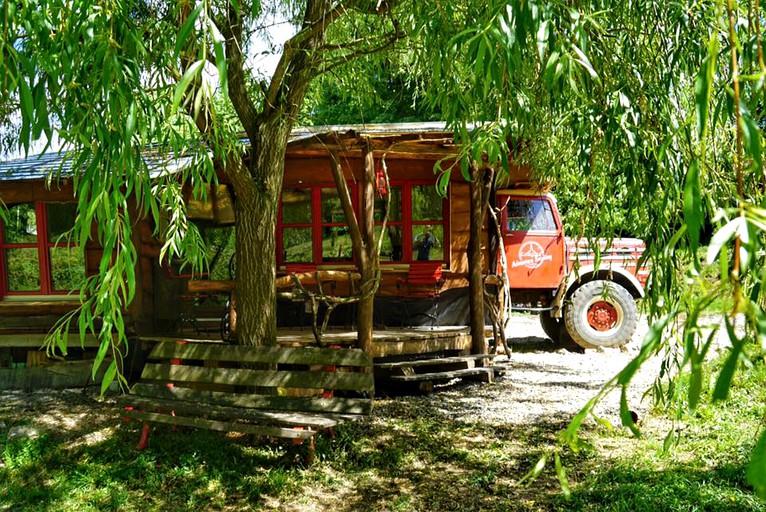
602,316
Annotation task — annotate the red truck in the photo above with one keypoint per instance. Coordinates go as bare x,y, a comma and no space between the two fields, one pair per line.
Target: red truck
593,304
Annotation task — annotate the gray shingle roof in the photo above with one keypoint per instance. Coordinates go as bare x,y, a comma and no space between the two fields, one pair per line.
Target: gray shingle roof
35,167
39,167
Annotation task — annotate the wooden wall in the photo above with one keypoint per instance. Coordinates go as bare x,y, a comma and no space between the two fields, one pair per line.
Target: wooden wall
41,312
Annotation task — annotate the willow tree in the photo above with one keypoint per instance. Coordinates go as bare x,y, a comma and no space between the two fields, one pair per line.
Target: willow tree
115,77
641,105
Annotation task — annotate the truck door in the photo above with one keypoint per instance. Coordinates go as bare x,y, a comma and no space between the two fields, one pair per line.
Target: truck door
533,240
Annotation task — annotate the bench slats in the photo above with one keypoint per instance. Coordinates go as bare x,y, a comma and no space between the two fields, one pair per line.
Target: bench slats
336,405
264,378
186,385
216,411
244,354
223,426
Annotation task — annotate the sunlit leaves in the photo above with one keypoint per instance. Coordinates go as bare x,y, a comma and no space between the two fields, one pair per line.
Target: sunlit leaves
103,74
703,86
756,470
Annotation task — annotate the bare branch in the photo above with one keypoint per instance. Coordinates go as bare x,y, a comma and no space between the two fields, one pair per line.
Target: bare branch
235,74
346,58
314,26
345,200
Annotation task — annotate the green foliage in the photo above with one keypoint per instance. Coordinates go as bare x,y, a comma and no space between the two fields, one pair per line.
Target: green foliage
645,116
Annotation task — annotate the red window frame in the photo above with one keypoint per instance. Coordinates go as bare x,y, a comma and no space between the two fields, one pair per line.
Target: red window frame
43,246
410,224
316,224
407,223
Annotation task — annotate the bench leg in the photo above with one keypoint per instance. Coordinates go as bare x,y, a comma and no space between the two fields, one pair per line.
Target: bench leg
311,451
143,443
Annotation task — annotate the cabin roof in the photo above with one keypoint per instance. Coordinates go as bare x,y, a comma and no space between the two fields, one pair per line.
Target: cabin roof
302,139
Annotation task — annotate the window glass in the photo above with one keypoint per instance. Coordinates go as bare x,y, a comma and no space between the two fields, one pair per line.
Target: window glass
61,217
427,243
296,206
332,210
296,245
336,244
530,215
391,250
21,226
395,206
426,203
67,268
22,270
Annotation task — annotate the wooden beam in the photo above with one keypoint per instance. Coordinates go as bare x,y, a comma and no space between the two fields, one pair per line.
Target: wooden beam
245,354
37,307
37,340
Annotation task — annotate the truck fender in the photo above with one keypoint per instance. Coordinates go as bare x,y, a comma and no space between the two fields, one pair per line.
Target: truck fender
616,274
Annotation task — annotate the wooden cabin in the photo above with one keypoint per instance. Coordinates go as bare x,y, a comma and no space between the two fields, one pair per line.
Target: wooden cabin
426,235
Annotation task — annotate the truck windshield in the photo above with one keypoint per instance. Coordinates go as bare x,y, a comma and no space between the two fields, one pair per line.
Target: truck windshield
530,215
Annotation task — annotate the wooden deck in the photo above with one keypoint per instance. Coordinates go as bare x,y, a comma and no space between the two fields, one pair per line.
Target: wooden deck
386,343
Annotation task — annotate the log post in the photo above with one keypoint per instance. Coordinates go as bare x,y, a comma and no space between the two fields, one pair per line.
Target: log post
480,185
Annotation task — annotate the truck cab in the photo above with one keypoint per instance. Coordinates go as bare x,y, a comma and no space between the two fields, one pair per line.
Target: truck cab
586,299
533,240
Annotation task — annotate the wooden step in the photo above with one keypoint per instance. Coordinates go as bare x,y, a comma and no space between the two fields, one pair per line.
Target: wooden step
432,361
437,376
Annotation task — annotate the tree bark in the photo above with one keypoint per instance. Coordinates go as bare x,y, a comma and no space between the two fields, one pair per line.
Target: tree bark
481,180
258,194
258,186
362,233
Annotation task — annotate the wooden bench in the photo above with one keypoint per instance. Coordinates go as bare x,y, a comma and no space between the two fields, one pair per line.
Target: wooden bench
266,391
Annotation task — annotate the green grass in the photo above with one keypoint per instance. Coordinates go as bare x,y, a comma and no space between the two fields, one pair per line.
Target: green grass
398,460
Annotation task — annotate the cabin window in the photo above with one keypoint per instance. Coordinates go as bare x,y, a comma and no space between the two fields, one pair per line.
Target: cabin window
336,240
393,239
296,226
38,258
220,248
530,215
427,224
312,226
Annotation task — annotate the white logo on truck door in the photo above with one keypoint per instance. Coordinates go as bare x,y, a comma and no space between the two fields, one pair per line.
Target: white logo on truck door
531,255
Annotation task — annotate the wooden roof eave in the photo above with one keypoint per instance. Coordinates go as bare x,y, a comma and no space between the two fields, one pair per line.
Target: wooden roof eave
402,147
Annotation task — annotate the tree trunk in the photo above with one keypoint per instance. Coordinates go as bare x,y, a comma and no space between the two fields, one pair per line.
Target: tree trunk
479,195
258,190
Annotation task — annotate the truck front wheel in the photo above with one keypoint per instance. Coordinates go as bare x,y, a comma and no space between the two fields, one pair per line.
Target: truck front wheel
601,314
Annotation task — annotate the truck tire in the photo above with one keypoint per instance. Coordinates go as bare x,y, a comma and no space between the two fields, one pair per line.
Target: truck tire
551,326
601,314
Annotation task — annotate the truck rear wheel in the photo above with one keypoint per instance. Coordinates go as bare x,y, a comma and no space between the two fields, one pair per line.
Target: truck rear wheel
551,326
601,314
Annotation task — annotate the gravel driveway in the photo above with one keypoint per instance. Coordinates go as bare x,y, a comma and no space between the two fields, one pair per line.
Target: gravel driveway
544,384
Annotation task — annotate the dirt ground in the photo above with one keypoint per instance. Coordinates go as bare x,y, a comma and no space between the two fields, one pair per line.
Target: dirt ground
544,383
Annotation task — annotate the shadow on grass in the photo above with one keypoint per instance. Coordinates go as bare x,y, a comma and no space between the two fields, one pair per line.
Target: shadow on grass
401,458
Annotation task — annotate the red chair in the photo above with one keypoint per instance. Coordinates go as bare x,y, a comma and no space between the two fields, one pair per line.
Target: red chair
424,280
